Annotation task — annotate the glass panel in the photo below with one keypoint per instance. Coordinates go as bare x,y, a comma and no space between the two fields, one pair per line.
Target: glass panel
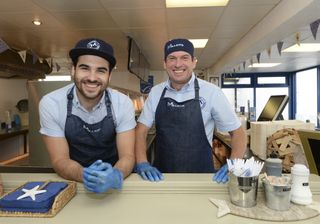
230,81
230,96
307,100
236,81
263,95
245,80
243,95
271,80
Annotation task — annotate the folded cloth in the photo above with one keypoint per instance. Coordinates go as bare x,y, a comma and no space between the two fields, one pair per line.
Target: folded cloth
42,202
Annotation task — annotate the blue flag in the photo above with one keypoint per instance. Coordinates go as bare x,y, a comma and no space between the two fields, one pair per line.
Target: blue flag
3,46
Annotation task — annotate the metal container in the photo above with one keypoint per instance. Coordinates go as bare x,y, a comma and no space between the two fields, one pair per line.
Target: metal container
277,197
243,190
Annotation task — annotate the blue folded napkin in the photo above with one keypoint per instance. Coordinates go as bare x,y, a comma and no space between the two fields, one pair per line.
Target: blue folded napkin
42,202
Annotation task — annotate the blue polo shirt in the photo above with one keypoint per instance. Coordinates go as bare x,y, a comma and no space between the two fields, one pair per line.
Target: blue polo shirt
53,111
215,108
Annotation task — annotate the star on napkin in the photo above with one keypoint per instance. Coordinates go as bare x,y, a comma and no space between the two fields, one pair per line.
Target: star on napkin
31,193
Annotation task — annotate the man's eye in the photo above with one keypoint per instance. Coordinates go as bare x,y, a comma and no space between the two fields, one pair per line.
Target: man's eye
103,71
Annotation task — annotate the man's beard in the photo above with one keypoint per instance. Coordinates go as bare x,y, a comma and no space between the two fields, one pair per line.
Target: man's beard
84,94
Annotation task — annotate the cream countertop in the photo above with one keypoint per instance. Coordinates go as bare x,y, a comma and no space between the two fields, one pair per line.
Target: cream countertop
181,198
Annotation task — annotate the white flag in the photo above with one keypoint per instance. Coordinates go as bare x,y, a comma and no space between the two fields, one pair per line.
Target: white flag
23,55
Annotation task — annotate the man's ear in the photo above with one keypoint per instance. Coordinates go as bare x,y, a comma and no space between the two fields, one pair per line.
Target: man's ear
164,64
73,70
110,77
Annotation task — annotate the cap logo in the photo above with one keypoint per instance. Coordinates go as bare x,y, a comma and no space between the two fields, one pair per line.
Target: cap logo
174,45
93,44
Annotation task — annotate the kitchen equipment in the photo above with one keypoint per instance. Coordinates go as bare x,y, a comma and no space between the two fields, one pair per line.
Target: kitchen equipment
300,193
243,190
277,195
22,105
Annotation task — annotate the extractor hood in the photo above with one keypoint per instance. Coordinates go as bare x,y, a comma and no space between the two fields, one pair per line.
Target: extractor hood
12,66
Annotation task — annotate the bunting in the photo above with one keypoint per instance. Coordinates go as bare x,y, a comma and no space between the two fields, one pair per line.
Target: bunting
298,39
279,46
269,52
23,55
251,61
49,61
314,28
35,57
244,65
58,67
258,57
3,46
41,60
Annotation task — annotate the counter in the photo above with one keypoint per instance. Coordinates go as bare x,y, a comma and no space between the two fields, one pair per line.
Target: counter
4,134
181,198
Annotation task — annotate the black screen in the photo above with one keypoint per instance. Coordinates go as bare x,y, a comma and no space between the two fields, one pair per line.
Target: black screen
315,149
273,108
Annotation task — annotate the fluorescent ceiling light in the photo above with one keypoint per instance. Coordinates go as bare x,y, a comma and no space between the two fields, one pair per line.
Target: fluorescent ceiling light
37,22
308,47
263,65
195,3
56,78
199,43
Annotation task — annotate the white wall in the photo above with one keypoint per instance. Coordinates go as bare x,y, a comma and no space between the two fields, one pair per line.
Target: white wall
11,91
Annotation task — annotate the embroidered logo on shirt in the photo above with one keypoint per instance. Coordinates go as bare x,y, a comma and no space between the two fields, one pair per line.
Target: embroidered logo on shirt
202,102
90,130
172,104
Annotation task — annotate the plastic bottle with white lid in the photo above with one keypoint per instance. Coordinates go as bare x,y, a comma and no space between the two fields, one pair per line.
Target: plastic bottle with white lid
300,189
8,120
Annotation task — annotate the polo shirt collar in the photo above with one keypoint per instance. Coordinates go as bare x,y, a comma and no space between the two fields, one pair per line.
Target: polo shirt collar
77,104
188,85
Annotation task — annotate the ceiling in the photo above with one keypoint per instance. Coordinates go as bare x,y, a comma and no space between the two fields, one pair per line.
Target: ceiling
236,32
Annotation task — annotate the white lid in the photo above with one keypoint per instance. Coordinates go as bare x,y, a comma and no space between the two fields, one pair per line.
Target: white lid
300,169
274,160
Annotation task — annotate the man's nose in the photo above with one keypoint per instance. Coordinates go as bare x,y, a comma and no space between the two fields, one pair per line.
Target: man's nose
179,62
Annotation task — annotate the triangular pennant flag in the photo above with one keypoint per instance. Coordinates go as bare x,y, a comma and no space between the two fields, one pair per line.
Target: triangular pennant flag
23,55
41,60
269,52
48,60
314,28
58,67
251,61
234,70
35,57
3,46
258,57
279,46
239,68
298,39
244,65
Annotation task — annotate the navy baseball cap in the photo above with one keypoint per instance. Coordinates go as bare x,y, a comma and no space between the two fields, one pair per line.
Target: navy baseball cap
93,46
178,45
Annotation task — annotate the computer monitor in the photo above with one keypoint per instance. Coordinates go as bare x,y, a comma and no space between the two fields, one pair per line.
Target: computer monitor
310,140
273,108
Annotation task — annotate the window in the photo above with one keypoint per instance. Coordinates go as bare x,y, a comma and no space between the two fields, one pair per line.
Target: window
306,101
255,88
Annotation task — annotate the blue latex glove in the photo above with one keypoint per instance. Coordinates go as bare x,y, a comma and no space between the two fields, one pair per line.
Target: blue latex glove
99,181
148,172
99,165
221,176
